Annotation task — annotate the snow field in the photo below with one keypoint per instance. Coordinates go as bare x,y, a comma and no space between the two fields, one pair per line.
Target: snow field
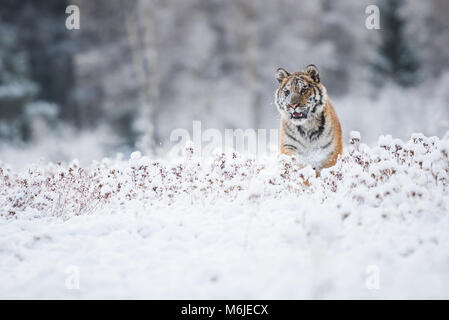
231,226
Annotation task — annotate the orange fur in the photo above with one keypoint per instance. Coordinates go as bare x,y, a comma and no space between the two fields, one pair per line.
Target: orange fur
331,115
308,139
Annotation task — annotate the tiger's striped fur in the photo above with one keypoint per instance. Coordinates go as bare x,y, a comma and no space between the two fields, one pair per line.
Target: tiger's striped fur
310,129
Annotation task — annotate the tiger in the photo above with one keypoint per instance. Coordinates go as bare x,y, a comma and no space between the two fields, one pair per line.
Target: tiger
310,130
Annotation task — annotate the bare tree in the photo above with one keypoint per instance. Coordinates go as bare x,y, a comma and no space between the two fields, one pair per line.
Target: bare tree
141,28
250,41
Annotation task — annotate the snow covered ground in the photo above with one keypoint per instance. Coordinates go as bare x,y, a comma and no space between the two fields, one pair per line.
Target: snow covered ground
374,226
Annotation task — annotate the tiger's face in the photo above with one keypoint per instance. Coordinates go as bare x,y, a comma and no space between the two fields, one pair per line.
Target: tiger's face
300,95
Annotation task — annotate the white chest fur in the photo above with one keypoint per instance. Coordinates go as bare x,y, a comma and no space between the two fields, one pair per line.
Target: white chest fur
311,143
314,157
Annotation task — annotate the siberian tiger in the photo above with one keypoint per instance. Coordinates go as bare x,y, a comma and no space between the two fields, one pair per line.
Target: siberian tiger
310,129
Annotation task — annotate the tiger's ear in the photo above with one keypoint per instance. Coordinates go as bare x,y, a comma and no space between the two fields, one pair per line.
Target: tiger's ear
313,72
281,74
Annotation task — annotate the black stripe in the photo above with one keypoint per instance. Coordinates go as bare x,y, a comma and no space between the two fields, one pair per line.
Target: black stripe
293,138
290,146
327,144
321,95
315,105
301,130
316,134
293,149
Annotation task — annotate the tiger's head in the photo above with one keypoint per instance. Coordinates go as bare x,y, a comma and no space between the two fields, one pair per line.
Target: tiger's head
300,95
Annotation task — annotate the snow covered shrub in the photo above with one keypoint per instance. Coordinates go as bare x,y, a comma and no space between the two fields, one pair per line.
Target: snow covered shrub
394,173
248,223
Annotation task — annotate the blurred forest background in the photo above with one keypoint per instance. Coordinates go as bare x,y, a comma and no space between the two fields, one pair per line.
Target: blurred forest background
137,69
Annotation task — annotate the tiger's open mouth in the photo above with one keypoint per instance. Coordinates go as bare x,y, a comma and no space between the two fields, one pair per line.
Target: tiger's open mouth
299,115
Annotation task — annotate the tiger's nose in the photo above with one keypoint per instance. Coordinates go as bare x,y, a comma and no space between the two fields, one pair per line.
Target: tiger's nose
293,106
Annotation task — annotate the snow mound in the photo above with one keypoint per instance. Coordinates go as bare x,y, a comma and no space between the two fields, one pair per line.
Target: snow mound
231,226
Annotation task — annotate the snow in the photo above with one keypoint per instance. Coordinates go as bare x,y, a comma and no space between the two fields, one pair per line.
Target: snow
354,135
230,226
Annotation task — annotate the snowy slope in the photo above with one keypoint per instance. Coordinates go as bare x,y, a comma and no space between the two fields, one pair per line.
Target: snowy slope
231,226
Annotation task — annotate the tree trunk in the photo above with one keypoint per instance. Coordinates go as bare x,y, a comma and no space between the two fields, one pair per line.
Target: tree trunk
251,42
140,25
